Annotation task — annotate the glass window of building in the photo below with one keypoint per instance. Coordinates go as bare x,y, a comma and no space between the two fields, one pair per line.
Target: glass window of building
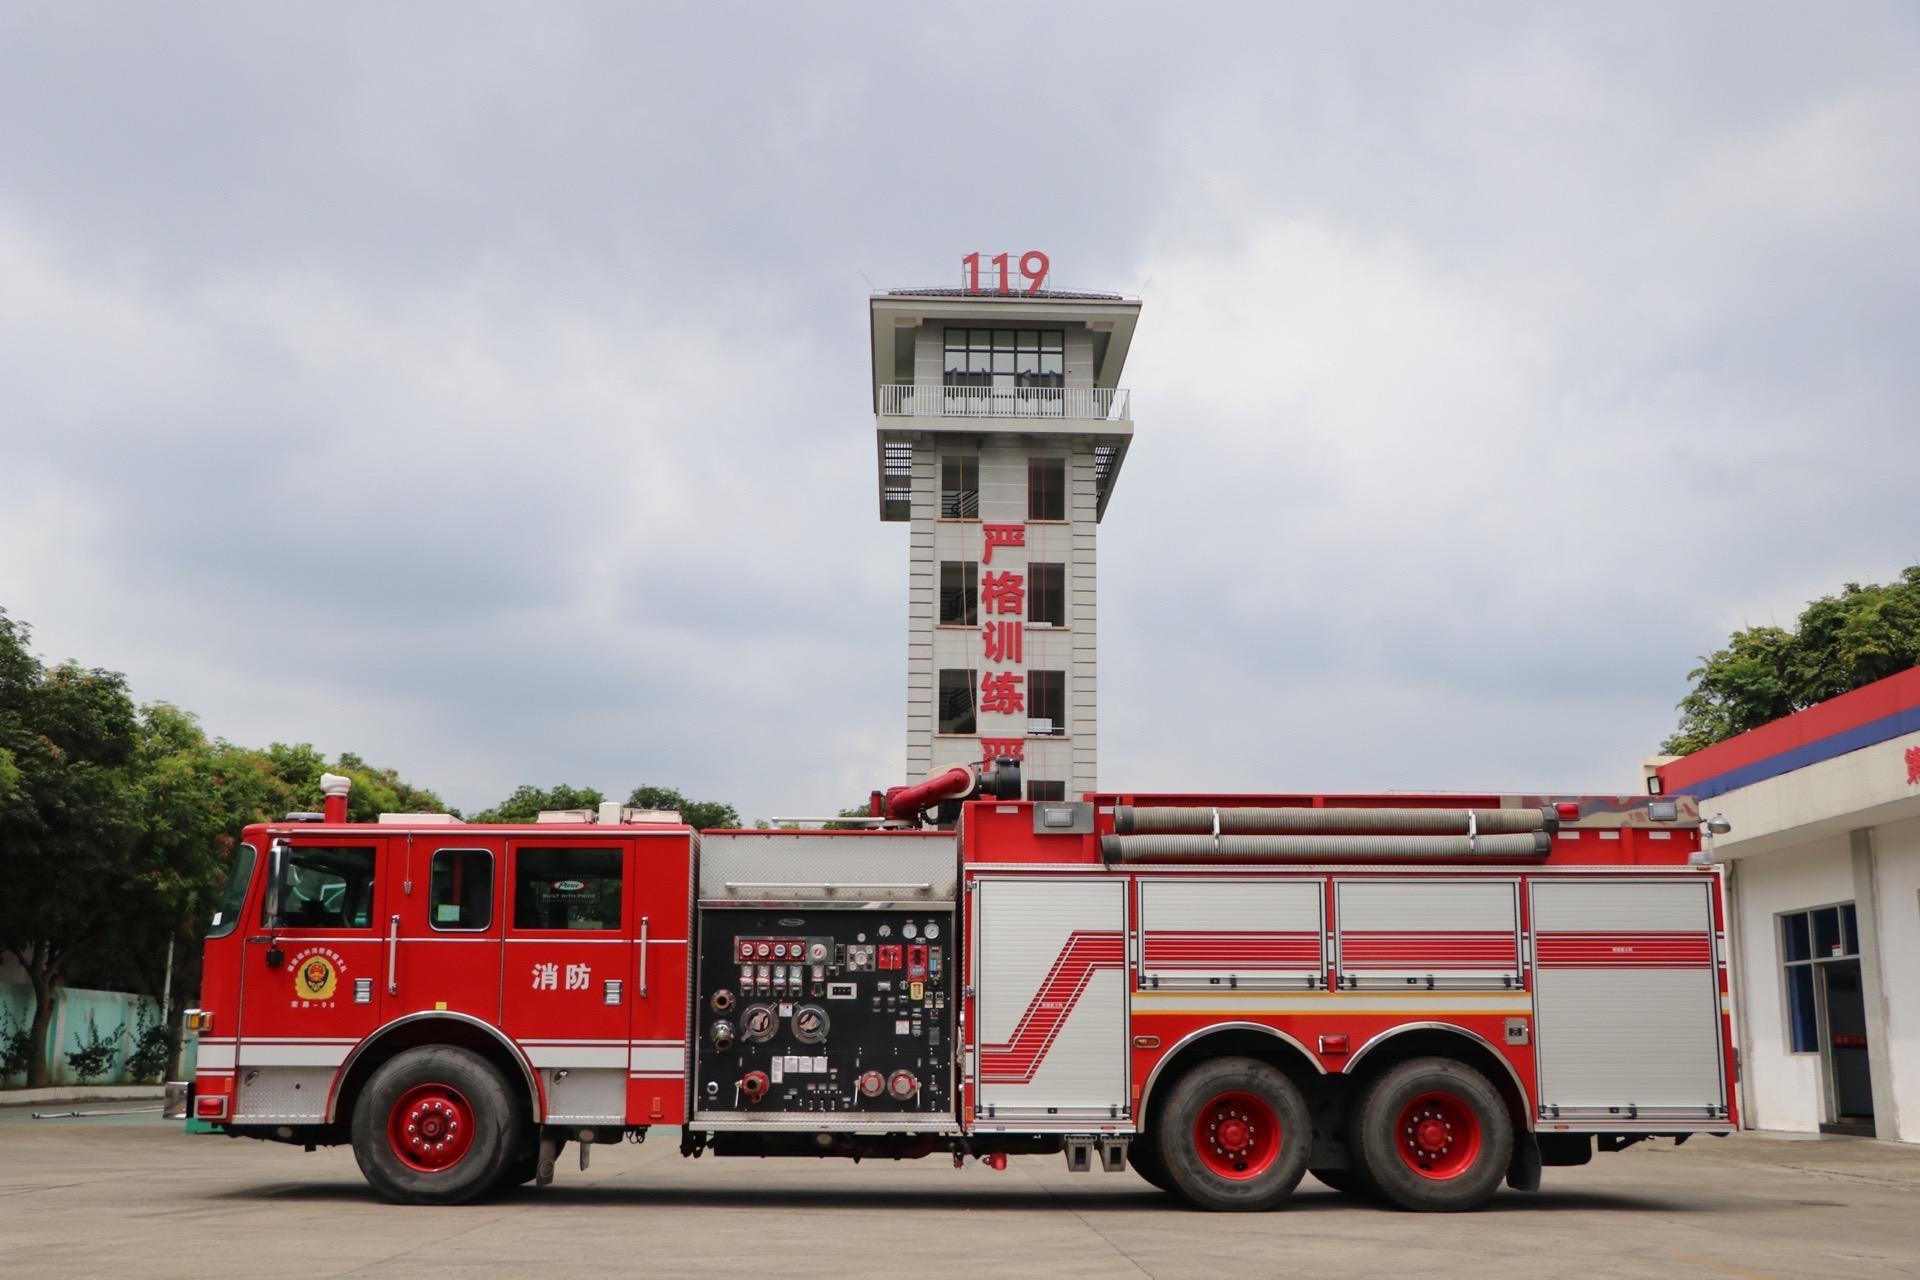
1808,939
959,593
1046,488
1047,594
959,488
1047,701
1038,790
1006,358
956,701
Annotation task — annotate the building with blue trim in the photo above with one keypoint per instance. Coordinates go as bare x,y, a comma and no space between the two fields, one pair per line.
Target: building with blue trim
1823,899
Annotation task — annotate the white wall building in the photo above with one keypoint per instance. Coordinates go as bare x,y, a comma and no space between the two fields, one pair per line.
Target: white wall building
1000,429
1823,891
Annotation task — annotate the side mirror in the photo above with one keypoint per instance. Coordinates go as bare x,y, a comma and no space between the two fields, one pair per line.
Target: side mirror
276,881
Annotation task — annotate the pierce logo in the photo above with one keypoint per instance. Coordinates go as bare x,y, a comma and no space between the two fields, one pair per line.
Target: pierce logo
568,886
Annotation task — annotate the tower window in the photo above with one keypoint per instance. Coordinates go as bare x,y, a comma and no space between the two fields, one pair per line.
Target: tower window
956,701
959,488
1047,701
1038,790
1046,488
959,593
1006,358
1047,594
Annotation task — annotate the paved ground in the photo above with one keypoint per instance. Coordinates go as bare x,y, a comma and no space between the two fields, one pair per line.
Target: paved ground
131,1196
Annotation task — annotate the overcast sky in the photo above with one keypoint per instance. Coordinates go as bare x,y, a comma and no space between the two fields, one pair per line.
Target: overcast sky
484,389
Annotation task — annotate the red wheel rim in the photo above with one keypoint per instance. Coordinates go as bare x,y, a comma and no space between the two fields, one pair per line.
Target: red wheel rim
1237,1135
431,1127
1438,1135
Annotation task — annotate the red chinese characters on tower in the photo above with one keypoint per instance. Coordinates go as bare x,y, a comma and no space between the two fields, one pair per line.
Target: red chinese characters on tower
1000,693
1913,765
1003,593
1001,535
1002,641
992,749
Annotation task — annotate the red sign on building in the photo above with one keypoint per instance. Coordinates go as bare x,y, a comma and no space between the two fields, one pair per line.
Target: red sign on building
1001,535
1000,692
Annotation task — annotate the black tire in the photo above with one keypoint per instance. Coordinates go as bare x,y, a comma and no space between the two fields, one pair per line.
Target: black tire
1262,1127
520,1170
1146,1161
1434,1136
447,1090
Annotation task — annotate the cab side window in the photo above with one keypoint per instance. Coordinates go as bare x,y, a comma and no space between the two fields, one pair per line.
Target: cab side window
566,889
461,889
328,887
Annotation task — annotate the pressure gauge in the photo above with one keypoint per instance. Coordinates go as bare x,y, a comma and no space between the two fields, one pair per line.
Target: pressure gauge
933,929
909,930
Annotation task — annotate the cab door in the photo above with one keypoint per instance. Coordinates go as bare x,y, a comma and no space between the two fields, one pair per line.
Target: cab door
567,968
447,903
314,981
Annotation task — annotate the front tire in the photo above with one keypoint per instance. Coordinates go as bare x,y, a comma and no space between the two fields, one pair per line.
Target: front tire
433,1126
1234,1135
1434,1136
1146,1161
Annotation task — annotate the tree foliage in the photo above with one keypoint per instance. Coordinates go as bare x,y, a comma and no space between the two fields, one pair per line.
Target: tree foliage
118,824
525,804
1838,643
701,815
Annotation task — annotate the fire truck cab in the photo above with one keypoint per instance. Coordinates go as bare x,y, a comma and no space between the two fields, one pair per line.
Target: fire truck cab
1414,998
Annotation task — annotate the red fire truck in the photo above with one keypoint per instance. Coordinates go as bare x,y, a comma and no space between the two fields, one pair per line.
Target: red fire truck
1414,998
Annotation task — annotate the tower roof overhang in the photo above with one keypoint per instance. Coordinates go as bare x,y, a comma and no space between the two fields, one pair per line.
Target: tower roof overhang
1109,315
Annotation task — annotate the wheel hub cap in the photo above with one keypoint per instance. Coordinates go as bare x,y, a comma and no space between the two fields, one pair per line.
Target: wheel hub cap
1438,1135
430,1128
1236,1135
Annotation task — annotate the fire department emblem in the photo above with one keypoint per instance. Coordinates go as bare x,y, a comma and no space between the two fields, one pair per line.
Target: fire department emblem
315,978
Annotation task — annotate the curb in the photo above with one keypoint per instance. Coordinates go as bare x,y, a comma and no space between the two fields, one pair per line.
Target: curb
83,1093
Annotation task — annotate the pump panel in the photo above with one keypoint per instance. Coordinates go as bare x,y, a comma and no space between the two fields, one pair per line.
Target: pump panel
824,1018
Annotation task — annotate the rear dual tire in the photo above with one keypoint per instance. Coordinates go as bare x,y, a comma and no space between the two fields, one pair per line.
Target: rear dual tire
1233,1136
1433,1136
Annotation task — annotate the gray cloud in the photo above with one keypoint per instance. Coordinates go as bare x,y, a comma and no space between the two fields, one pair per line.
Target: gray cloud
484,388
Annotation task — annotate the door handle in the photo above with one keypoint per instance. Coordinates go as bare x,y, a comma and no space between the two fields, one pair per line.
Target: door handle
393,955
643,957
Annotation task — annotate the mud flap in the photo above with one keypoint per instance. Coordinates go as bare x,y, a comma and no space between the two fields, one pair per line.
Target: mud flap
550,1144
1523,1170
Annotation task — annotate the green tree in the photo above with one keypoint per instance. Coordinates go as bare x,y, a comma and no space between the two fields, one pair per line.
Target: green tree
118,826
1838,643
701,815
525,804
69,825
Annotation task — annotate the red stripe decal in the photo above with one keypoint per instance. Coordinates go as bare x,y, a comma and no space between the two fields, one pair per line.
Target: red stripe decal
1240,950
1623,951
1016,1061
1438,950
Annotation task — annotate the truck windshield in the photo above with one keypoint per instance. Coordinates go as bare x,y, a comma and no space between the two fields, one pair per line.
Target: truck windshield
234,896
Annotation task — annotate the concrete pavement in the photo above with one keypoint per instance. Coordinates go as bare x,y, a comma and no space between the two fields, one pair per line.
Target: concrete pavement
134,1196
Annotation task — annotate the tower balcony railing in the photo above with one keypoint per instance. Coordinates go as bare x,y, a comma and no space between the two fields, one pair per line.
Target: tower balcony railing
1098,404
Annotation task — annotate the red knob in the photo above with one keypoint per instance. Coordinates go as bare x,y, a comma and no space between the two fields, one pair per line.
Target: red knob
754,1085
903,1085
873,1084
